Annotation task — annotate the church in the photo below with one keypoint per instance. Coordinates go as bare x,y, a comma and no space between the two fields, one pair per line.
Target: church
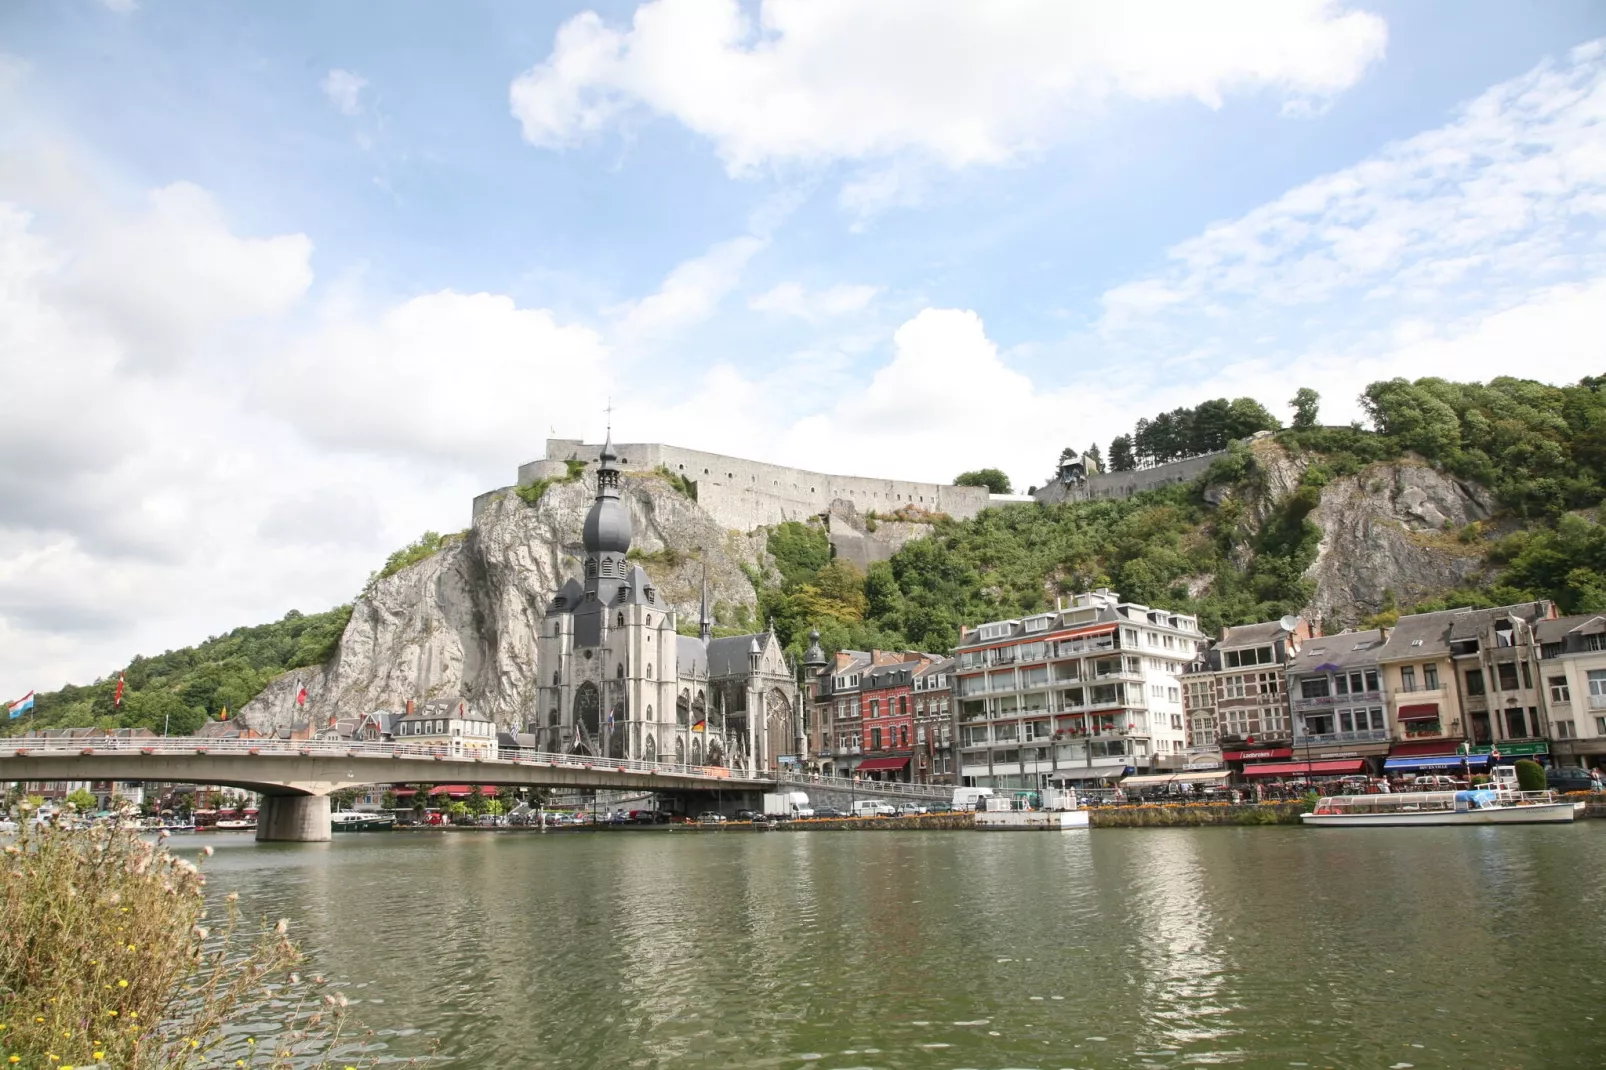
616,680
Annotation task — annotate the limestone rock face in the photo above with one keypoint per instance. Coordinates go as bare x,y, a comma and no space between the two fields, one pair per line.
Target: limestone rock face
1390,530
463,621
854,538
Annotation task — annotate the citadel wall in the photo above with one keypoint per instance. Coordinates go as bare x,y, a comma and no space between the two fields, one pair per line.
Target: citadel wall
1126,484
743,494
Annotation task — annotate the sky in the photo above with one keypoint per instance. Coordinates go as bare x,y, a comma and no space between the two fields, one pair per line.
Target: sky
283,286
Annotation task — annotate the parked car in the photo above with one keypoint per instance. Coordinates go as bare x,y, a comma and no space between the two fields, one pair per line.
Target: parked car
1568,778
911,809
829,811
939,808
1435,783
710,817
746,815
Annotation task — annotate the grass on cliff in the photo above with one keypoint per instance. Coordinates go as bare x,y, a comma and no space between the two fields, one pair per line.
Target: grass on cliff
531,492
108,958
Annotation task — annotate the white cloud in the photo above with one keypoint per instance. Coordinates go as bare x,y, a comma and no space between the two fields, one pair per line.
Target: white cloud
954,82
344,90
1510,193
791,299
689,294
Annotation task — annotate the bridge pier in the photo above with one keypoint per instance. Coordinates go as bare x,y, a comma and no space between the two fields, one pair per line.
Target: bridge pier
294,818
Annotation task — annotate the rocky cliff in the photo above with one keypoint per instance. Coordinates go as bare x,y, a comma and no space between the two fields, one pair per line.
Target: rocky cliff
1389,533
463,621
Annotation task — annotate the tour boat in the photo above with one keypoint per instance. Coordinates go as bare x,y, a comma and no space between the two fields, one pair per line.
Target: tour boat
359,821
1481,806
241,824
1059,811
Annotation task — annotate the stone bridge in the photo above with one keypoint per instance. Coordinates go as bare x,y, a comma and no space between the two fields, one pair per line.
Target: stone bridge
295,778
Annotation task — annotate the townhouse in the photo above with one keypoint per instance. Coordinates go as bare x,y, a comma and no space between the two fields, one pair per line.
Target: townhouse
934,723
1572,669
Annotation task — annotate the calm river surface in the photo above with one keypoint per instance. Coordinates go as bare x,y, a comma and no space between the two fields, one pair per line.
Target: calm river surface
1257,947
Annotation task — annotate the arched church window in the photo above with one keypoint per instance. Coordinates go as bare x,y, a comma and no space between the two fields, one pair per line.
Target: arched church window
552,719
649,624
649,749
649,670
621,672
621,623
680,752
556,680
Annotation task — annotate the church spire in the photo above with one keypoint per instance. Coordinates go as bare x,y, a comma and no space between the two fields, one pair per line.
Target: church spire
706,621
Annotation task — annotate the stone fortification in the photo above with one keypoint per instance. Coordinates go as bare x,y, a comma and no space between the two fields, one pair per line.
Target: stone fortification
1125,484
743,495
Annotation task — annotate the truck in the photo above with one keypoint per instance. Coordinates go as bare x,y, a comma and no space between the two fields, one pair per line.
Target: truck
787,804
971,798
873,808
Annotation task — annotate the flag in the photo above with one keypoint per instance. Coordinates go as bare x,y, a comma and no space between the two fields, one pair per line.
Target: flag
700,726
21,706
223,714
301,696
117,699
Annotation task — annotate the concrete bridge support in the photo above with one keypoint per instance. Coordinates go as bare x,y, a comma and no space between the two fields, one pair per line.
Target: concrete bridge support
294,818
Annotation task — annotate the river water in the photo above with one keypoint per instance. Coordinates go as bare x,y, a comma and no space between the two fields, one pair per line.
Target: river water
1254,947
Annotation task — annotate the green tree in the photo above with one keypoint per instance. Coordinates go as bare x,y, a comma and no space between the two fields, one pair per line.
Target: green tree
82,801
1306,404
389,800
1121,458
1093,452
343,799
800,550
993,479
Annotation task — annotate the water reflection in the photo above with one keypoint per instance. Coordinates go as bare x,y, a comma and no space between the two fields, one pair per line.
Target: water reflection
940,950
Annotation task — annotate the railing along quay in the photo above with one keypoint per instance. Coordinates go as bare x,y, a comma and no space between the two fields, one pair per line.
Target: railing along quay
867,788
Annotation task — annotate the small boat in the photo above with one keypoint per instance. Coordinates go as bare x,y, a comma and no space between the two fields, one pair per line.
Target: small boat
361,821
235,825
1480,806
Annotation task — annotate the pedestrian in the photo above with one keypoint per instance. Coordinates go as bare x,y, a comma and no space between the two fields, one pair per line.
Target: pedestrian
1595,780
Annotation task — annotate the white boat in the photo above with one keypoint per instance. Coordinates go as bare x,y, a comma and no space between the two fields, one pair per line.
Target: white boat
361,821
1481,806
236,824
1057,810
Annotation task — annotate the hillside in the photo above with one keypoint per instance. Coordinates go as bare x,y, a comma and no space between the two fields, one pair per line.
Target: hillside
1464,494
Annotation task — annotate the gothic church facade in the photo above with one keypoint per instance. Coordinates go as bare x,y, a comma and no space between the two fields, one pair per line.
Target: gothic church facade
617,681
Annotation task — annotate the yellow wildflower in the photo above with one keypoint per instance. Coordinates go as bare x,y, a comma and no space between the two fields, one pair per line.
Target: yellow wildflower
100,1055
37,1018
122,983
111,1014
133,1014
15,1059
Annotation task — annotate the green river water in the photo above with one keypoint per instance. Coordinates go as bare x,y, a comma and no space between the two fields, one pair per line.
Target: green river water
1255,947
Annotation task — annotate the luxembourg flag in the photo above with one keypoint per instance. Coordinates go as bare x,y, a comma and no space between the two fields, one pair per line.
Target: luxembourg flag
20,707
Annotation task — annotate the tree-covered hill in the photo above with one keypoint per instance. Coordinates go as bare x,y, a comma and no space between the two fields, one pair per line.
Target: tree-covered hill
181,689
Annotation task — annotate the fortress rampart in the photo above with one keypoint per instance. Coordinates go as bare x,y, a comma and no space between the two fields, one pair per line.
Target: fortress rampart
744,494
1126,484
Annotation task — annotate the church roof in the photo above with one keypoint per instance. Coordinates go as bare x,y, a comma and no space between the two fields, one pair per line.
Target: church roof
728,656
691,659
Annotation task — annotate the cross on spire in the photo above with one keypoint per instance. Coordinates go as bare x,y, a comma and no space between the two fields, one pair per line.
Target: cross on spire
609,411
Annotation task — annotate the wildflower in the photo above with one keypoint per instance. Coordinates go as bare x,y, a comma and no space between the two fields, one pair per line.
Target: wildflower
133,1014
37,1018
207,850
232,897
100,1055
283,926
111,1014
201,932
15,1059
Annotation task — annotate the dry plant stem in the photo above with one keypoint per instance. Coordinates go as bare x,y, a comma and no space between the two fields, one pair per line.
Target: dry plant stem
106,959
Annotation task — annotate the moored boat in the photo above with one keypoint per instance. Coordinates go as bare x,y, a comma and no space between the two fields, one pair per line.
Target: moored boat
1477,807
235,824
359,821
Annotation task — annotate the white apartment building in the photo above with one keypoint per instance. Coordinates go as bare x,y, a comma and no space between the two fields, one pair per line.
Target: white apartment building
1086,692
1572,669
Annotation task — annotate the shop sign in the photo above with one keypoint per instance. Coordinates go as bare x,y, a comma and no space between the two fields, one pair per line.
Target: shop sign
1257,755
1515,750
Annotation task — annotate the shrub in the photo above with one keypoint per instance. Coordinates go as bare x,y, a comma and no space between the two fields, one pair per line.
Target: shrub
530,493
677,481
106,958
1530,775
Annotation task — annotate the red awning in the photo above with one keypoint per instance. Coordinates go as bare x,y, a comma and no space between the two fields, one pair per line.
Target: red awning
1252,755
1421,711
877,765
1336,767
1421,747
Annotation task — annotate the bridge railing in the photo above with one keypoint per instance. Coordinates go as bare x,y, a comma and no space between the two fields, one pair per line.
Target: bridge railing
332,748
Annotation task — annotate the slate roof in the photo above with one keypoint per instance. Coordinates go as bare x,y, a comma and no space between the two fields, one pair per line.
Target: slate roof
1339,652
728,656
1439,629
1556,631
1250,635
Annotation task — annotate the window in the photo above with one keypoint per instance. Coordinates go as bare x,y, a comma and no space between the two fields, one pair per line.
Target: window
903,735
1600,726
1315,687
1408,678
1564,730
1475,682
1372,683
1558,689
875,739
875,708
1597,689
1516,723
1233,687
1430,677
1527,676
1508,676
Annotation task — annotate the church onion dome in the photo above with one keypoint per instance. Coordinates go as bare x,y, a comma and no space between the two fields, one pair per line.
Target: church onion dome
607,527
814,656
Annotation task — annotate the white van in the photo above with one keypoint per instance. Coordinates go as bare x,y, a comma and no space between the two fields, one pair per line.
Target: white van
873,808
970,798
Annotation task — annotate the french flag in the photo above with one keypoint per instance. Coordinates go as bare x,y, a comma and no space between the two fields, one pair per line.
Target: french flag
20,707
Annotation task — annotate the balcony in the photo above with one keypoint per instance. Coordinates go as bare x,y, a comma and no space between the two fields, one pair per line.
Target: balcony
1327,702
1372,735
1597,702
